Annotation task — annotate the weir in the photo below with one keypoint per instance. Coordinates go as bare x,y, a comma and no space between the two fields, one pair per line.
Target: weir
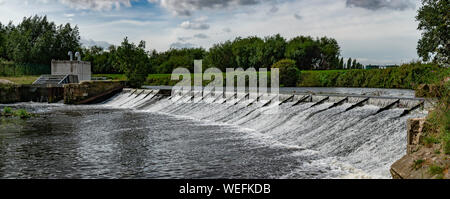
366,132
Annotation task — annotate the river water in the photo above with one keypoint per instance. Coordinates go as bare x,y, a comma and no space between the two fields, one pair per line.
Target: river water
142,136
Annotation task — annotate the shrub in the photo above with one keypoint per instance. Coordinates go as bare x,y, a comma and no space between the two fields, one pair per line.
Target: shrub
288,72
7,111
435,170
22,113
418,164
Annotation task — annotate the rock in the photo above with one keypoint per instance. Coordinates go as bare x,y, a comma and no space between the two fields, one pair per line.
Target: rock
4,81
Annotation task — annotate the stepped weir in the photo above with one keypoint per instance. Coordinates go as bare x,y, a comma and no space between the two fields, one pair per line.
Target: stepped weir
364,131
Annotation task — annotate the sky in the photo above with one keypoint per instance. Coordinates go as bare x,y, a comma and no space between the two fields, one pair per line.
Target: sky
372,31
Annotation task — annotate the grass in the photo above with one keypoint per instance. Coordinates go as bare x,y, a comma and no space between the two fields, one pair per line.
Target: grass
435,170
21,113
21,79
407,76
418,164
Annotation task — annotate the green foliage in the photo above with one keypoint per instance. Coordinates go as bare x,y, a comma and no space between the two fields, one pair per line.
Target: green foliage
305,51
437,123
37,41
247,52
407,76
434,20
7,111
418,164
428,140
221,56
166,62
9,68
435,170
272,51
329,53
288,72
22,113
134,61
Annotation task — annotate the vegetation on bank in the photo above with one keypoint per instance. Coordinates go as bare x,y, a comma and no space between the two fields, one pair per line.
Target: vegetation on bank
407,76
20,79
21,113
437,124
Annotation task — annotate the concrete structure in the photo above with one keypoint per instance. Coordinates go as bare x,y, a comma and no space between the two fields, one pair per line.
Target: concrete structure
80,68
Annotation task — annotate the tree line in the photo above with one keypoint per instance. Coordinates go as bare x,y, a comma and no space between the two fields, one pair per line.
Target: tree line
36,40
308,54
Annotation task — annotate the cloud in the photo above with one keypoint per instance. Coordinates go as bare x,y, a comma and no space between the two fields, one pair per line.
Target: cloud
227,30
194,25
274,9
184,39
186,7
96,4
179,45
201,36
297,16
89,43
379,4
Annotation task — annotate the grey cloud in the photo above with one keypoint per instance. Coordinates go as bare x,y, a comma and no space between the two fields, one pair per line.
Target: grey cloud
179,45
201,36
227,30
186,7
274,9
194,25
183,39
297,16
96,4
89,43
380,4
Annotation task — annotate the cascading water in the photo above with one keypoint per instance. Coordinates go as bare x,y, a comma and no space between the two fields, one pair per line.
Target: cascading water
357,142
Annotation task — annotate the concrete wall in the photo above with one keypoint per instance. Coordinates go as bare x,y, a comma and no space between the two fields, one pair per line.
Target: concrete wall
89,92
25,93
80,68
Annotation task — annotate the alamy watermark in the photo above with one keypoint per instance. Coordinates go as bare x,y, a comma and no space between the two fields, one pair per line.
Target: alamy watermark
235,88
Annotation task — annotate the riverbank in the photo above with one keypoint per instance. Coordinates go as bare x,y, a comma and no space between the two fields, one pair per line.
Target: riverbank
407,76
428,154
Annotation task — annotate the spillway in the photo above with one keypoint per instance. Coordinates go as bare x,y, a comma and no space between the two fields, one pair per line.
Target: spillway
361,135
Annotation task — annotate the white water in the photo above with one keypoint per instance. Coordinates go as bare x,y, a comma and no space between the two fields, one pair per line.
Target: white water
356,143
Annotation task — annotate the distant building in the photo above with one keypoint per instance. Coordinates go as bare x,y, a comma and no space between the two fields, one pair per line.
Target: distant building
65,72
380,66
80,68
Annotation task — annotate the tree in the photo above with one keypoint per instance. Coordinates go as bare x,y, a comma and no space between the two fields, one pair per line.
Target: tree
246,53
221,56
289,73
272,51
37,40
434,19
134,62
341,63
329,53
2,40
304,51
354,65
349,63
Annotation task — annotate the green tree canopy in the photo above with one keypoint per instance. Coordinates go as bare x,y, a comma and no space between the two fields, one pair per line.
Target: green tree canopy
36,40
434,21
289,73
304,51
246,52
134,61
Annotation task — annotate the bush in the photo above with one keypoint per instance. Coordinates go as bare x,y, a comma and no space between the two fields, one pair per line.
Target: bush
22,113
289,74
7,111
435,170
407,76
